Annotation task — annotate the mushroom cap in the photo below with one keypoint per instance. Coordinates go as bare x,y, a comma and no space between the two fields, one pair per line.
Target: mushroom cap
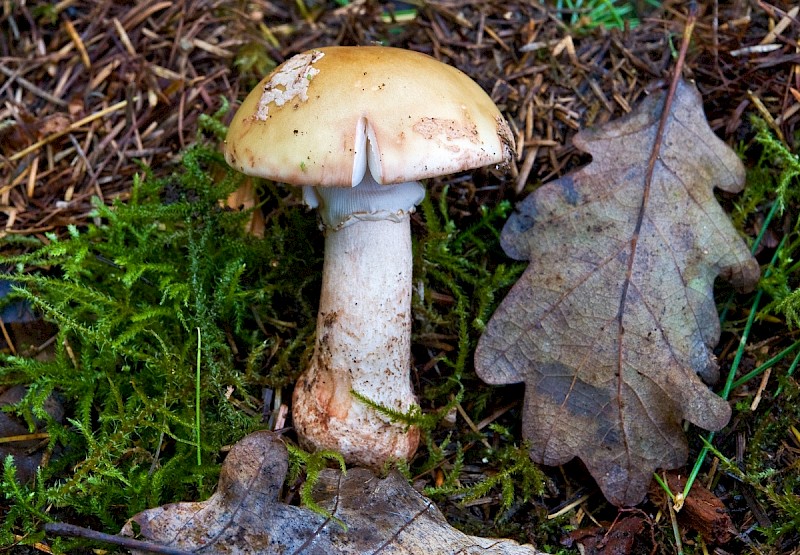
326,115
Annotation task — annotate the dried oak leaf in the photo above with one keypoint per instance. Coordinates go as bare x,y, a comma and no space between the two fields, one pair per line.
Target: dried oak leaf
611,326
244,516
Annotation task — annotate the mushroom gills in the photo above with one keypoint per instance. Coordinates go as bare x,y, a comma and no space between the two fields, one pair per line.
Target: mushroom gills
369,200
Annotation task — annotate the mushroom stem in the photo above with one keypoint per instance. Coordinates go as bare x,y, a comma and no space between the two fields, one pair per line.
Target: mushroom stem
362,345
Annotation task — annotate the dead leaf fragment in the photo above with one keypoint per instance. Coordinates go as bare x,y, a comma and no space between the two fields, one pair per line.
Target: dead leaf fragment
17,440
624,537
245,517
612,324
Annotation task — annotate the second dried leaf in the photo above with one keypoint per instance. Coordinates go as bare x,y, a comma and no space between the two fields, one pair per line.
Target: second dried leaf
612,324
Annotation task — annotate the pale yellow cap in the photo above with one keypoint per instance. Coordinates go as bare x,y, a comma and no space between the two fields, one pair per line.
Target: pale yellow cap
324,116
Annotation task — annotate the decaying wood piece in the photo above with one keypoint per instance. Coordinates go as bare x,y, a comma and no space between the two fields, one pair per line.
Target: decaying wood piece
244,516
702,511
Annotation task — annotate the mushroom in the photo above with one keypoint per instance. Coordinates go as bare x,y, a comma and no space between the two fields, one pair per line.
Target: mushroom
357,127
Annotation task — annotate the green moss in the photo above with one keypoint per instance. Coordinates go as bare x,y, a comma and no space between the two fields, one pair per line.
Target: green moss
128,294
312,464
458,263
461,265
775,180
514,479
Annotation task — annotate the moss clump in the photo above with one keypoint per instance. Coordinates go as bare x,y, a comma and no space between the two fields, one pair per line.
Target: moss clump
129,295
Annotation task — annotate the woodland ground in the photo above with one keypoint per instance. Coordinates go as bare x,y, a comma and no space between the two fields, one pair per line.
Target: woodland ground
95,95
